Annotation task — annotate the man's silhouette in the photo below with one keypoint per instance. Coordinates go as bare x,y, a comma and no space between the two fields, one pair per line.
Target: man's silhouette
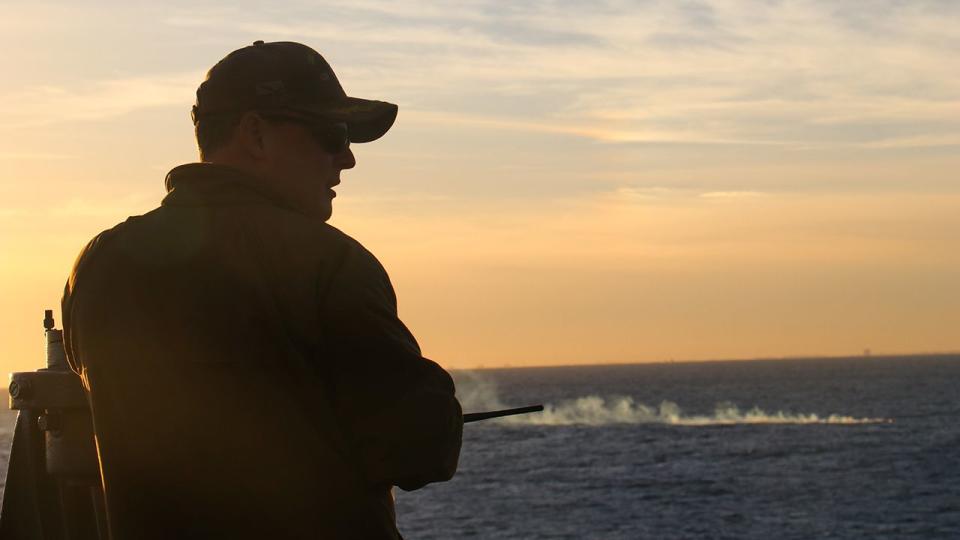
245,366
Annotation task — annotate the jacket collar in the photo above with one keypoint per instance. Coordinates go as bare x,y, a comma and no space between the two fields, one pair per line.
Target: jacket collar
212,184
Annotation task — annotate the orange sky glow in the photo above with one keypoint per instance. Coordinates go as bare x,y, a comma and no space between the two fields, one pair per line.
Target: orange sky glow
710,180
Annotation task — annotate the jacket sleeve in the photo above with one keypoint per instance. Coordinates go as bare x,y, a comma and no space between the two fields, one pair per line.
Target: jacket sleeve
67,301
397,408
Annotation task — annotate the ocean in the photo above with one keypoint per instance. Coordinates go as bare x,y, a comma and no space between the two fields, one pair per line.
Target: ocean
772,449
779,449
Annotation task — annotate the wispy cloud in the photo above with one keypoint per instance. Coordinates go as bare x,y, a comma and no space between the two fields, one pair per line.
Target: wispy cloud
95,100
32,156
730,194
701,72
79,207
921,141
719,71
613,78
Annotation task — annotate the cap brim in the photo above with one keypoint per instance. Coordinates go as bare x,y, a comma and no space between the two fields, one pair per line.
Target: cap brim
367,120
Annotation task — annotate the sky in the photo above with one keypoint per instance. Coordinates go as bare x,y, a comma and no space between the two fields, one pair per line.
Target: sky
567,182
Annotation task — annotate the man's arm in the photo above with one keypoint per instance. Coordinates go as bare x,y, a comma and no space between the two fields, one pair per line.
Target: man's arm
397,408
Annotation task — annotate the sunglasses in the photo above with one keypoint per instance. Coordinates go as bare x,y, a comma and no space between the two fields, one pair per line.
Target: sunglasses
333,137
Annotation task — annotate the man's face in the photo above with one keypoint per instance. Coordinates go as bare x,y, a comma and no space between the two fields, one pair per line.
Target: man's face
299,163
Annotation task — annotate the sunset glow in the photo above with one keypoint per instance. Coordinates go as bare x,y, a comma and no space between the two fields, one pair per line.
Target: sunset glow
582,183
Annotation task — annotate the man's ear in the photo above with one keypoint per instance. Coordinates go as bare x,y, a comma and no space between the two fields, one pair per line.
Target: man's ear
250,133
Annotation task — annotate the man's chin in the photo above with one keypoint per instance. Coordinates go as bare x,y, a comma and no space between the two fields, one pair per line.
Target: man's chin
315,208
325,210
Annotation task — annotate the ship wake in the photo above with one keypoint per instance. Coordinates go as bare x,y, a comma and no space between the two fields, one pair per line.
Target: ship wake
596,410
480,394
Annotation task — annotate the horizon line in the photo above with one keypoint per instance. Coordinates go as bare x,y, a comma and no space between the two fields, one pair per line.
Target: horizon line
875,356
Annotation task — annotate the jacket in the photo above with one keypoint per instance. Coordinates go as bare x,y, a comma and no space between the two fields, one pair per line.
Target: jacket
247,372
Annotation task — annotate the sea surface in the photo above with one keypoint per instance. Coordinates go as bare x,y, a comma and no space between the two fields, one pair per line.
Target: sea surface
782,449
772,449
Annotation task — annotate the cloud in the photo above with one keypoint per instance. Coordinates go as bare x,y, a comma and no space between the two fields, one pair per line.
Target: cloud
95,100
796,74
557,126
716,72
33,156
922,141
730,194
76,208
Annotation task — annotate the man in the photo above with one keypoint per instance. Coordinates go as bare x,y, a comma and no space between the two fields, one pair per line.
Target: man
245,366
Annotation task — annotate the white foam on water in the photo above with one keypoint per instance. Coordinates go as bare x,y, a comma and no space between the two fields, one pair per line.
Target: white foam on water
477,393
596,410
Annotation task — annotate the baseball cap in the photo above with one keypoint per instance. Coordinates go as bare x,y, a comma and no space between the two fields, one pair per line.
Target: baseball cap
289,77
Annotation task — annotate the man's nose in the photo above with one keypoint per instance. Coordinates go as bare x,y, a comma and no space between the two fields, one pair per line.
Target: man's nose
346,159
